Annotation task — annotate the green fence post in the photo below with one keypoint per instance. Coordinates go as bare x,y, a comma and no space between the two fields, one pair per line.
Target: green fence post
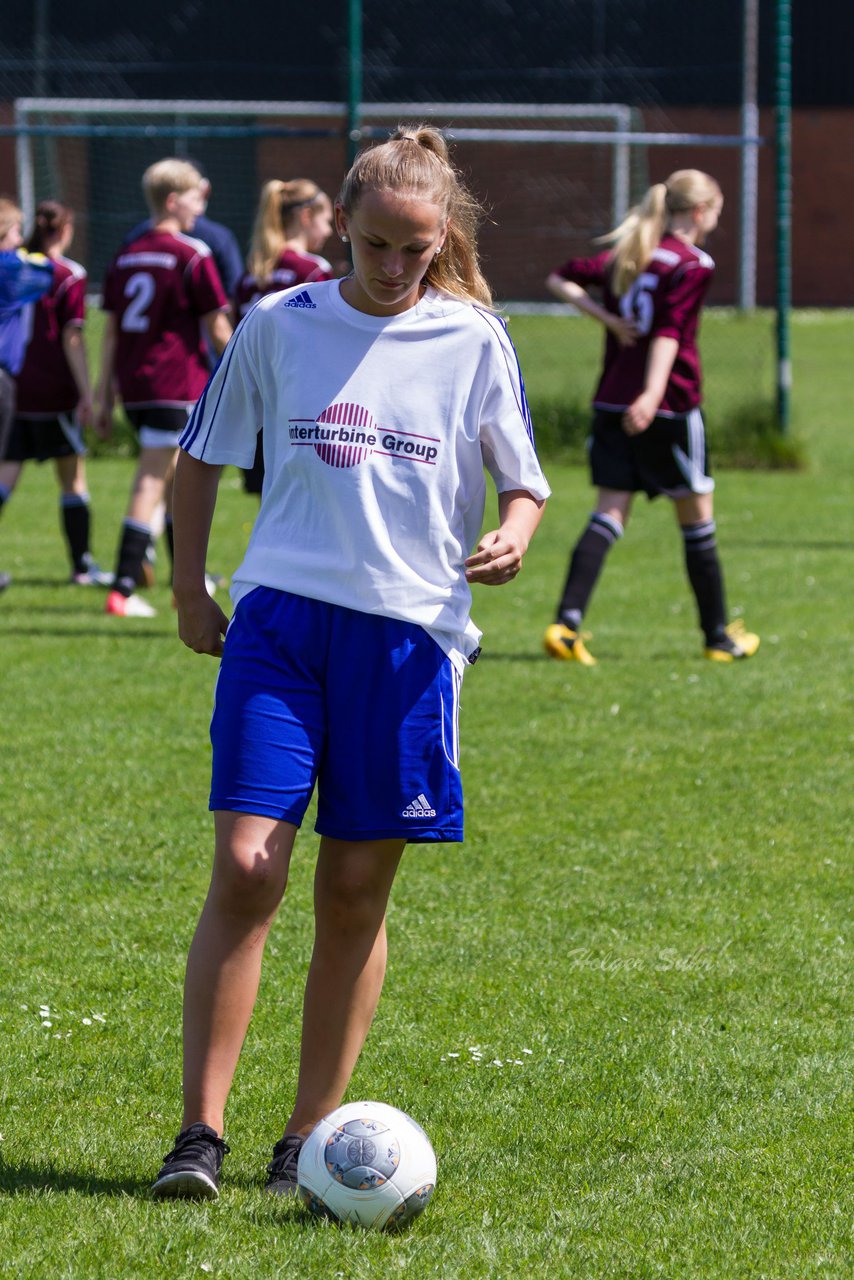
354,81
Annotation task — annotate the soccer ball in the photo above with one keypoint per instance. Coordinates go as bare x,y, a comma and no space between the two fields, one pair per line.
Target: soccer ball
368,1164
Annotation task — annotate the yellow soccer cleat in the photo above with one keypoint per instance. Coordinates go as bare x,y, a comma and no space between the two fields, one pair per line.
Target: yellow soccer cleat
735,645
566,645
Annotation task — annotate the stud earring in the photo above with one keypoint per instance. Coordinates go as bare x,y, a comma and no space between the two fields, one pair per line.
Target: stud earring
345,239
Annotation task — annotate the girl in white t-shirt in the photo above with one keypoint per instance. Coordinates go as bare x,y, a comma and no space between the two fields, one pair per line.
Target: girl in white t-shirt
381,398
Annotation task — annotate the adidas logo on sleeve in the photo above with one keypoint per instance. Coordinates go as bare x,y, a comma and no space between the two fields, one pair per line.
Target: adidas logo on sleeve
302,300
419,808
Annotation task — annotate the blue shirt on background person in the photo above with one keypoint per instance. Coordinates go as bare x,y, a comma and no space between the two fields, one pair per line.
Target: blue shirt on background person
23,278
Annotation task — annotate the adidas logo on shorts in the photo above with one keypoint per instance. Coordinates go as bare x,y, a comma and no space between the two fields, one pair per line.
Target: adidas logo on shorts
302,300
419,808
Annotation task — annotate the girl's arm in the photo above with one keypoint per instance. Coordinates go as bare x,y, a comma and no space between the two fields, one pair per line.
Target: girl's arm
201,622
568,291
74,350
105,396
498,556
219,329
659,365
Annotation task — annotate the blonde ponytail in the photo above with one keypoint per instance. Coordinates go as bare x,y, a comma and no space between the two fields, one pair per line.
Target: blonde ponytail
636,237
415,159
276,220
639,234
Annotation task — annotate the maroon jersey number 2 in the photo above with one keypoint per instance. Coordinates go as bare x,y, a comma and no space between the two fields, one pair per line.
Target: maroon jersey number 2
140,290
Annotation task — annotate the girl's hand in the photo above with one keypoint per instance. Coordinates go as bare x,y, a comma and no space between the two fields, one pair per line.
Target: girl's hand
84,410
497,558
201,623
624,330
103,417
640,414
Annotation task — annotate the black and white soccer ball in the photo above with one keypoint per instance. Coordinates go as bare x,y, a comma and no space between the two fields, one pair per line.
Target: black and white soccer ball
368,1164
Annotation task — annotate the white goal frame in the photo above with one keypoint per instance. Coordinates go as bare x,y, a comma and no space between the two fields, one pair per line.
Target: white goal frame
618,133
617,117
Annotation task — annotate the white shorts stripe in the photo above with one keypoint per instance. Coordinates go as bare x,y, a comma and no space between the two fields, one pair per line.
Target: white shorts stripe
72,431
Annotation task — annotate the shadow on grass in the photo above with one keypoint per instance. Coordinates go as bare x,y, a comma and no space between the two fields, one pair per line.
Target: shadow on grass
25,1179
99,633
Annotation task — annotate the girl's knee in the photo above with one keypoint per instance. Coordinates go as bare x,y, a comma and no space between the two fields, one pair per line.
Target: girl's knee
247,880
351,901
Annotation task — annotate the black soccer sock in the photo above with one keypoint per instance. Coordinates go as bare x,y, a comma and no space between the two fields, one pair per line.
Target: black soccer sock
170,543
132,549
585,566
74,513
706,577
5,495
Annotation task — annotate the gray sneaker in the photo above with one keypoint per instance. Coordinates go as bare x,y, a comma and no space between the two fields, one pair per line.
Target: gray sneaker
91,575
191,1169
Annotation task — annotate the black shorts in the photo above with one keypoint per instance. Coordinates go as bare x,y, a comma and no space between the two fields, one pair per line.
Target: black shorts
159,426
7,407
37,439
668,458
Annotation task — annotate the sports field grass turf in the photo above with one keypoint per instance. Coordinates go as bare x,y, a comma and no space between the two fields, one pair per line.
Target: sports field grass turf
621,1009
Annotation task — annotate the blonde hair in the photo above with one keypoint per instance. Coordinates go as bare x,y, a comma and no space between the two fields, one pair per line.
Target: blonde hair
277,221
10,215
640,232
160,180
415,159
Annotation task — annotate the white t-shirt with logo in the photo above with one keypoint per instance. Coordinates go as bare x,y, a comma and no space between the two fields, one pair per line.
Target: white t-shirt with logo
376,434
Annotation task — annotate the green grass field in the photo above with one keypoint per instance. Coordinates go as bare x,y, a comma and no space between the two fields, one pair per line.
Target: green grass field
621,1009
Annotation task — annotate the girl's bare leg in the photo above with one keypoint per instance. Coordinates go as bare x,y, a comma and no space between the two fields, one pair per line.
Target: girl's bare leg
250,872
71,474
154,471
10,474
345,978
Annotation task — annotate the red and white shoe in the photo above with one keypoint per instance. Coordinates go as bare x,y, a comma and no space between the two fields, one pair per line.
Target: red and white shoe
128,606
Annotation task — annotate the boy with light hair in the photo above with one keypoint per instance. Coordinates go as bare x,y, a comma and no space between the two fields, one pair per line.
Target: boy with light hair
162,295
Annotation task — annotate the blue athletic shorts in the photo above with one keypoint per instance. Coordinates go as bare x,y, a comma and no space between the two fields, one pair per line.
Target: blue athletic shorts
365,706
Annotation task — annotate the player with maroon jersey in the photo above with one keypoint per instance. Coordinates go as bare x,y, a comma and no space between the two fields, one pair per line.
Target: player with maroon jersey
293,222
161,294
54,400
648,433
